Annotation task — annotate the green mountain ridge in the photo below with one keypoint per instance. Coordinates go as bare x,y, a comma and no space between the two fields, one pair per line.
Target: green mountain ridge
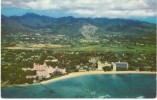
71,26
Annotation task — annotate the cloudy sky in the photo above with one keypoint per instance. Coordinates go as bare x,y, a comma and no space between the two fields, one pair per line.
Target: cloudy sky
132,9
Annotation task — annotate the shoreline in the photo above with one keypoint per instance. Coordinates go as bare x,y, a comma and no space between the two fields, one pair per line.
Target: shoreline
77,74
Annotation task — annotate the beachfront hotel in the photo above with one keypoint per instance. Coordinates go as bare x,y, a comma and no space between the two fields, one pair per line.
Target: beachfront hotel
44,71
116,65
120,66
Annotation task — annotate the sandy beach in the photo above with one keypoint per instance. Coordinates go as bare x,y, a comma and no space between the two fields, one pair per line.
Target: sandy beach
76,74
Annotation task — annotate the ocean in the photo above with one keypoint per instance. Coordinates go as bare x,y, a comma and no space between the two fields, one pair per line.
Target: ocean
89,86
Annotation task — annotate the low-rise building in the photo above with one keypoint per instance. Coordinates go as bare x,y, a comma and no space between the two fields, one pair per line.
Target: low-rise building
101,65
44,71
116,65
82,70
53,60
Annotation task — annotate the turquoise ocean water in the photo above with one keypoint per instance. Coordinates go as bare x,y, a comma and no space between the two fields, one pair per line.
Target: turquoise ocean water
89,86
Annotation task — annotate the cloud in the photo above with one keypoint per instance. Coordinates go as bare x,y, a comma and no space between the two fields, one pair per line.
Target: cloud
90,8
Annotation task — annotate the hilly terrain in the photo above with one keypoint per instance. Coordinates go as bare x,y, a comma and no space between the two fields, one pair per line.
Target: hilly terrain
70,26
74,44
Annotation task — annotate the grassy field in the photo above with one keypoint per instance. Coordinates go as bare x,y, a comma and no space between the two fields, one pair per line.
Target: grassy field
36,46
94,48
99,48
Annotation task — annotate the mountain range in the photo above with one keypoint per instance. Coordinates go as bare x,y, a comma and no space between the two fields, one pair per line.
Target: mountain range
71,26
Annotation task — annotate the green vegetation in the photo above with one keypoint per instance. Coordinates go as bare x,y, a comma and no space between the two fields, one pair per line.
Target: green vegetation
115,48
14,60
107,68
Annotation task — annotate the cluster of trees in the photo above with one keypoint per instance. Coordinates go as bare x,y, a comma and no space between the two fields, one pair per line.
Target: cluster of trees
107,68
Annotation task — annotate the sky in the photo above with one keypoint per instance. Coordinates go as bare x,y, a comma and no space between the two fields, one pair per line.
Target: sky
144,10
